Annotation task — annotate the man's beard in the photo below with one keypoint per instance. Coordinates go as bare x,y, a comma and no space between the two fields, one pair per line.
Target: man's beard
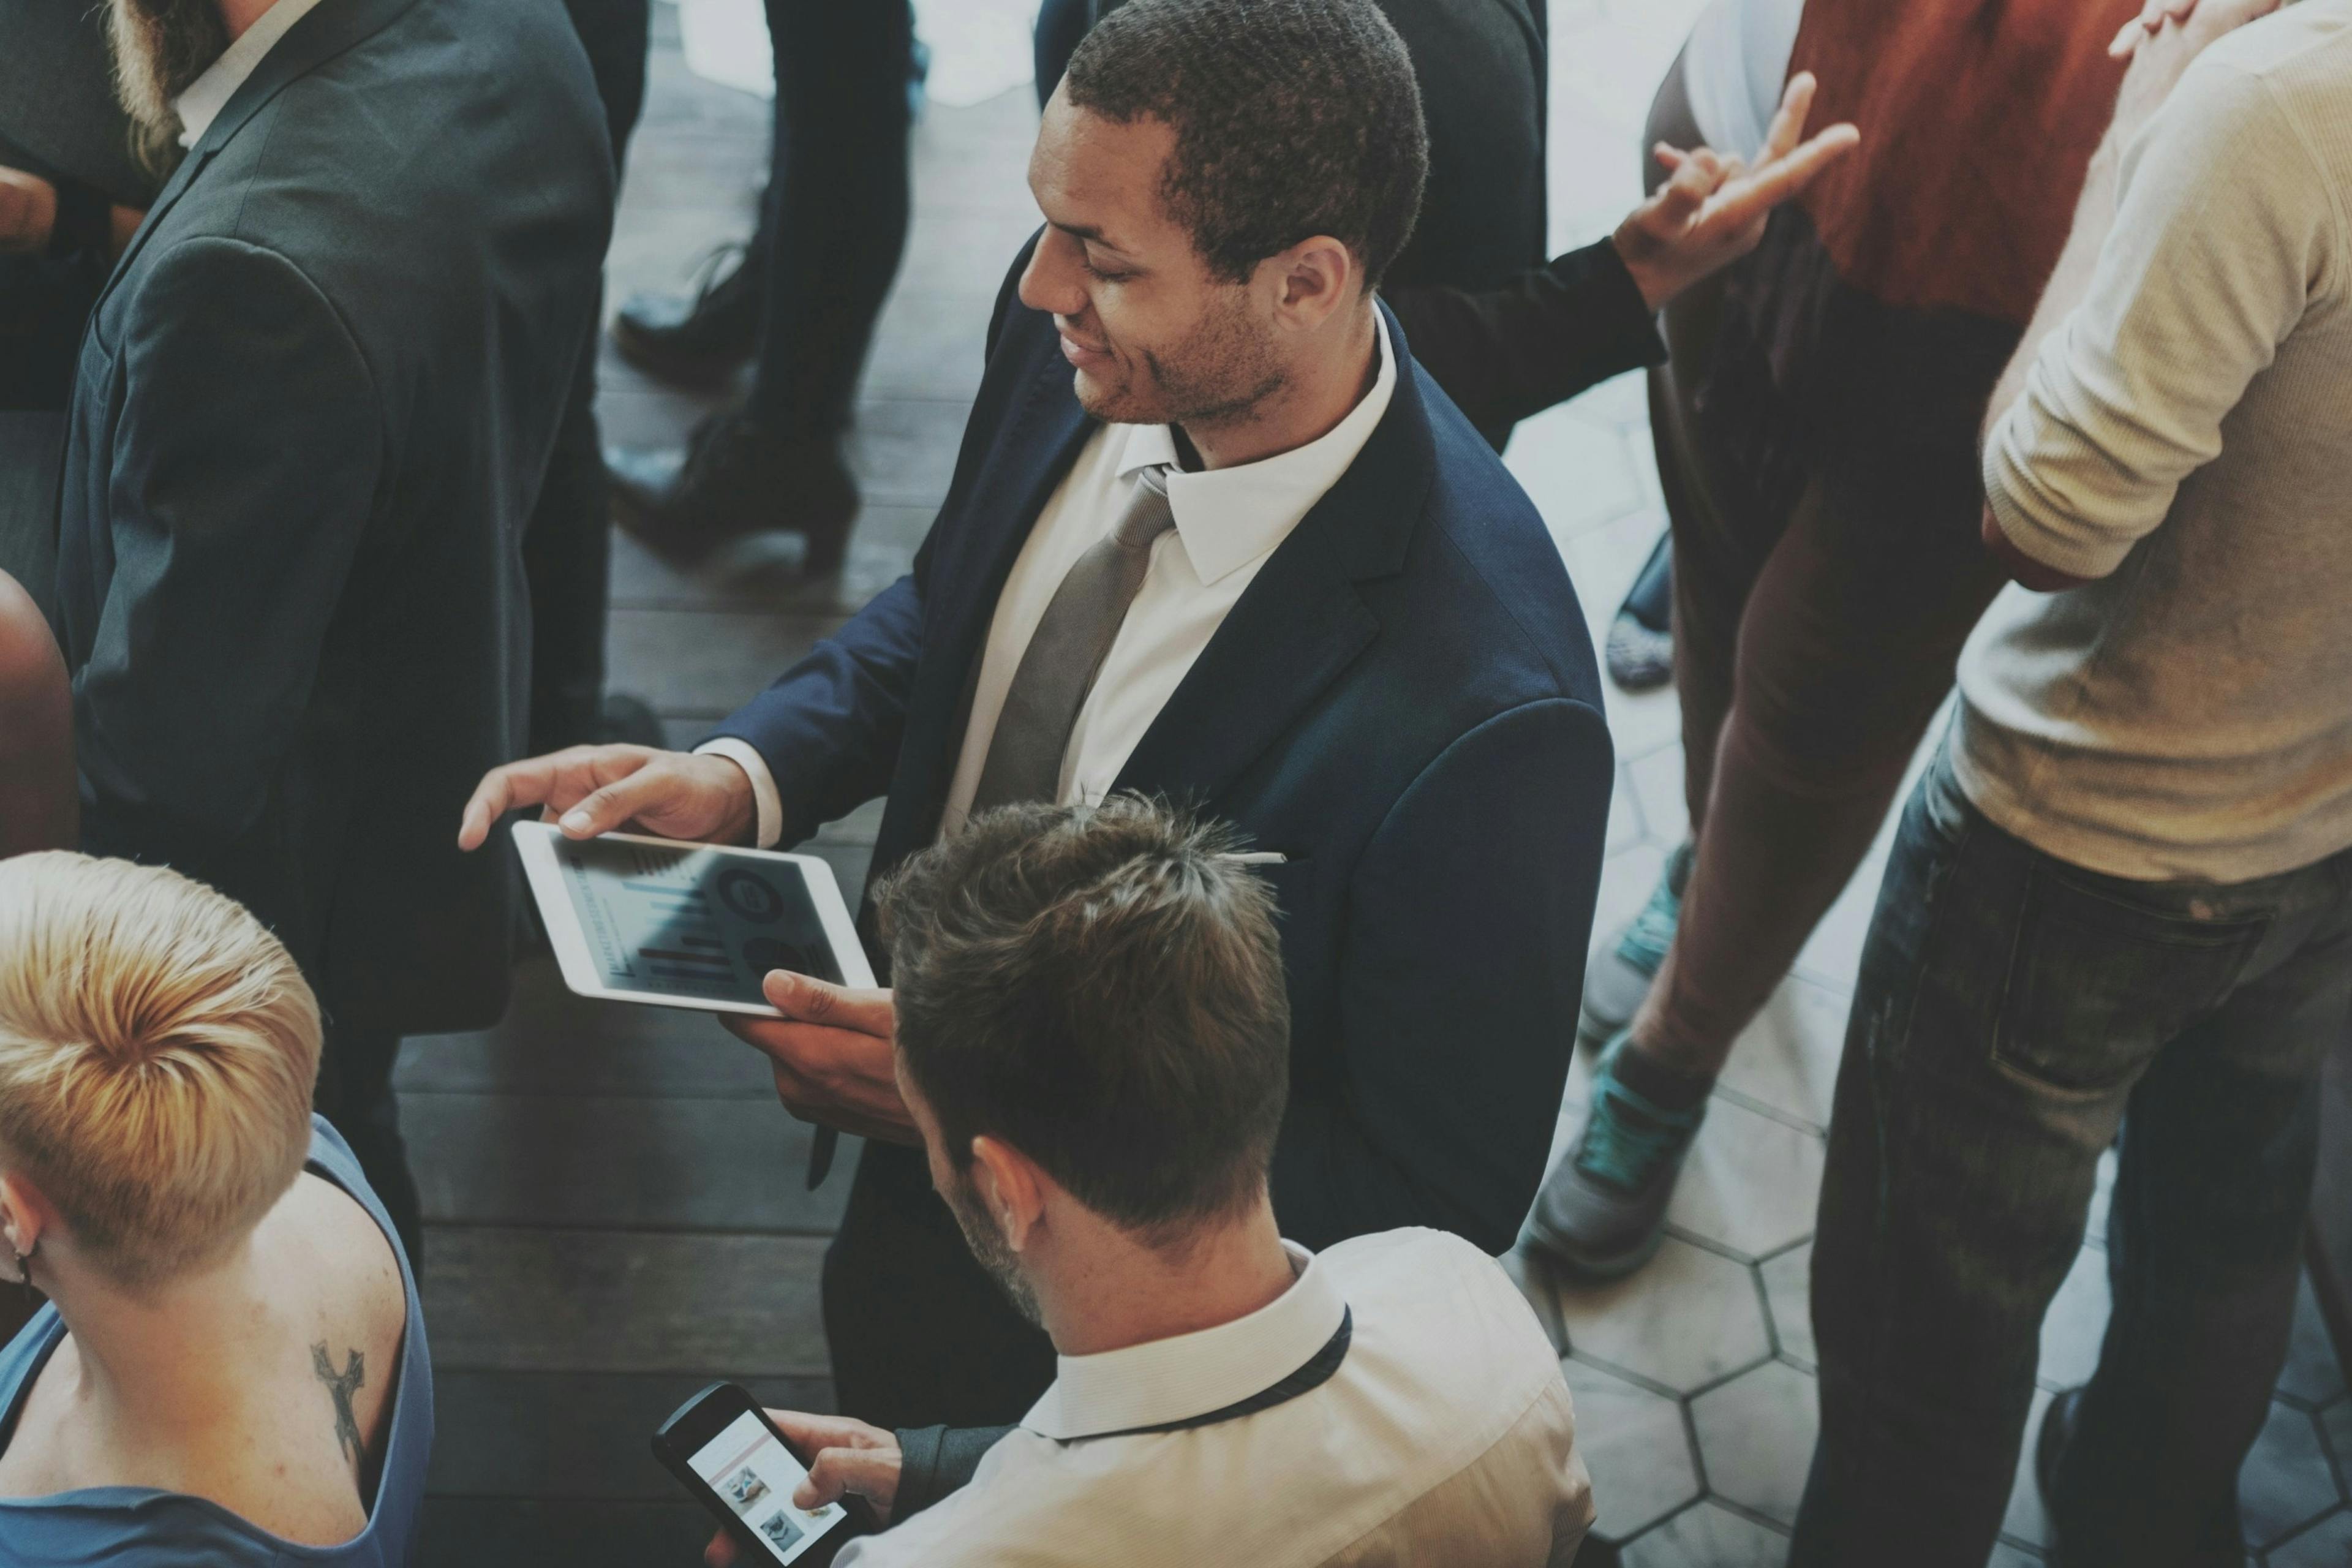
988,1245
161,47
1221,375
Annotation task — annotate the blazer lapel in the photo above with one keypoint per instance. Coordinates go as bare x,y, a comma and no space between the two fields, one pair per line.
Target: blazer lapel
333,27
1301,621
1040,443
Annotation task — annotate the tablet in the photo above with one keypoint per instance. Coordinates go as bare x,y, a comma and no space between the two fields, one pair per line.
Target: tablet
686,925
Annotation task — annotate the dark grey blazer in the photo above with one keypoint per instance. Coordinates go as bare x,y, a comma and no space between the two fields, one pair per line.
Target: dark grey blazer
310,418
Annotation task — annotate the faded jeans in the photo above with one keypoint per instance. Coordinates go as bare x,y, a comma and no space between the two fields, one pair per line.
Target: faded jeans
2013,1013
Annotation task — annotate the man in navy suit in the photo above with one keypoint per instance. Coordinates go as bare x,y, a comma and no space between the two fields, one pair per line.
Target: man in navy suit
1212,535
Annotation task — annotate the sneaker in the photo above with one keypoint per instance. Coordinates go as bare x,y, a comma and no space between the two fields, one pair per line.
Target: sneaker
1602,1210
697,340
736,478
1618,978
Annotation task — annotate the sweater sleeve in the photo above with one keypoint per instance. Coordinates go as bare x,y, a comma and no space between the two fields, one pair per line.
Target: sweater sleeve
2216,240
936,1460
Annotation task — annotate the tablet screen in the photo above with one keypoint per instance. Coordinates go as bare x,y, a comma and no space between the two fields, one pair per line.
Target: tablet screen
692,921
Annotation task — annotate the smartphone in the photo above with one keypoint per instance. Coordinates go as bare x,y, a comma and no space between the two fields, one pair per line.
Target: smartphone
723,1446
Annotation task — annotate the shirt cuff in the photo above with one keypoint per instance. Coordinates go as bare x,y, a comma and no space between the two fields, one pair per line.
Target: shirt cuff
768,824
1629,334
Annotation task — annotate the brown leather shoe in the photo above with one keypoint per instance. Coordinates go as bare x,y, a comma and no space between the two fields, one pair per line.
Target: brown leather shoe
733,479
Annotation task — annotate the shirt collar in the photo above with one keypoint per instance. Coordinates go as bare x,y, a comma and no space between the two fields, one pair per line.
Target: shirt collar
1227,518
209,93
1192,1375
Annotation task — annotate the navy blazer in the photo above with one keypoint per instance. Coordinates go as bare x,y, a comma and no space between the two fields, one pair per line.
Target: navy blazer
1403,703
311,416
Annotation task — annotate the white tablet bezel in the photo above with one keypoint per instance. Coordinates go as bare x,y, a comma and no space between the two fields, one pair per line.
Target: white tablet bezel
537,841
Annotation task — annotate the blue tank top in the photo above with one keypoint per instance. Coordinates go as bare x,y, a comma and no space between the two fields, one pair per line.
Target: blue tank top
117,1527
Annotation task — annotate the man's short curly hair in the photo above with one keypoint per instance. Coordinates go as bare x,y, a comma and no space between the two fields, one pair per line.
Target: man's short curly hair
1293,117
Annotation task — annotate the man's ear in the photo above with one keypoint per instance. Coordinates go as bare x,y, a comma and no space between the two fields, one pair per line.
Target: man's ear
1314,280
1012,1186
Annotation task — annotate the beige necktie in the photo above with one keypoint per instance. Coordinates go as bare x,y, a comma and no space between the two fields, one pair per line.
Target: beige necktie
1066,652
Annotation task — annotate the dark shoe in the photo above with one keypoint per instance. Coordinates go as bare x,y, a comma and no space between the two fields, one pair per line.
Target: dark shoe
1603,1211
1639,659
1641,650
1619,976
735,479
701,339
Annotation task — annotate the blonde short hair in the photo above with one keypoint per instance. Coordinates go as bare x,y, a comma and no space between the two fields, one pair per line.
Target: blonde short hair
158,1048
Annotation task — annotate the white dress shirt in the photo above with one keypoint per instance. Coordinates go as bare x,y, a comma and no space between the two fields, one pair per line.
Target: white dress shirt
1446,1435
209,93
1228,522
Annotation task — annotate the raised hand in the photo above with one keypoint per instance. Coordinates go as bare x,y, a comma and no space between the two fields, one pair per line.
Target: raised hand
589,790
1711,212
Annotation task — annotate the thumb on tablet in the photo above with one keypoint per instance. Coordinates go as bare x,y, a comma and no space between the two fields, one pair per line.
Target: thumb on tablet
808,1000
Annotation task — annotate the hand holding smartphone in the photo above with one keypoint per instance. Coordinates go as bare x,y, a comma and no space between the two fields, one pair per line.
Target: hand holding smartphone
745,1470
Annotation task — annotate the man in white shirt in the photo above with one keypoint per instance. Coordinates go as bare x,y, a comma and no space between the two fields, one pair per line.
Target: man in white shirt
2122,898
1092,1041
1215,536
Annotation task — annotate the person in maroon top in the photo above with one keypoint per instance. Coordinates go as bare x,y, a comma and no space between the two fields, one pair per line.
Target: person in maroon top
1816,428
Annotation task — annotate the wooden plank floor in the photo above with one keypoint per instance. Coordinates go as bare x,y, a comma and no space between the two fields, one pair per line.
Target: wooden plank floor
614,1208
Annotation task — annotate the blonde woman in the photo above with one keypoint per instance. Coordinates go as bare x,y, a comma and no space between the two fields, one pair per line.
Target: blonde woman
232,1368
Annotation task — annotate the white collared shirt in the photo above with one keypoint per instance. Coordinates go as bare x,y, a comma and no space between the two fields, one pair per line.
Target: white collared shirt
1228,522
1445,1435
209,93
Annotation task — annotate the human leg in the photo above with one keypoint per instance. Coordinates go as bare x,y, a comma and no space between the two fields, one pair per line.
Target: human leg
1959,1182
1845,652
2204,1247
567,560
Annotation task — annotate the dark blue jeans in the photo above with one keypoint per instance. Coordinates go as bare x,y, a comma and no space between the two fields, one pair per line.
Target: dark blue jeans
2014,1013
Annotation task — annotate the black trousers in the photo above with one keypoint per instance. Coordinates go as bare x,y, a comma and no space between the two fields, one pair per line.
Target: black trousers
566,557
833,222
920,1335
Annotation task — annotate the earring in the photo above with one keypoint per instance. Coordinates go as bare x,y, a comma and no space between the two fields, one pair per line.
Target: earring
25,1263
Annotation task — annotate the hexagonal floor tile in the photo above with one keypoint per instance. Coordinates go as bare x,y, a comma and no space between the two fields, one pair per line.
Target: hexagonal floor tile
1751,1184
2076,1322
1691,1317
2287,1482
1788,1058
1707,1536
1657,781
1579,477
1533,1276
1789,1298
1635,1444
2328,1544
2313,1375
1756,1438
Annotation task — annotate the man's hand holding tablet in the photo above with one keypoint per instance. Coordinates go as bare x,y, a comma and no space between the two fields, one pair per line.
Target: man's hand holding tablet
831,1050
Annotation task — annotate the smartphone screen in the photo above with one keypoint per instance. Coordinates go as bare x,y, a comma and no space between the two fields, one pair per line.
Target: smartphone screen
756,1476
690,921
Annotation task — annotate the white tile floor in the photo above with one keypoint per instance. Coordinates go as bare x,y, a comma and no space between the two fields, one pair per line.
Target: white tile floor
1694,1380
